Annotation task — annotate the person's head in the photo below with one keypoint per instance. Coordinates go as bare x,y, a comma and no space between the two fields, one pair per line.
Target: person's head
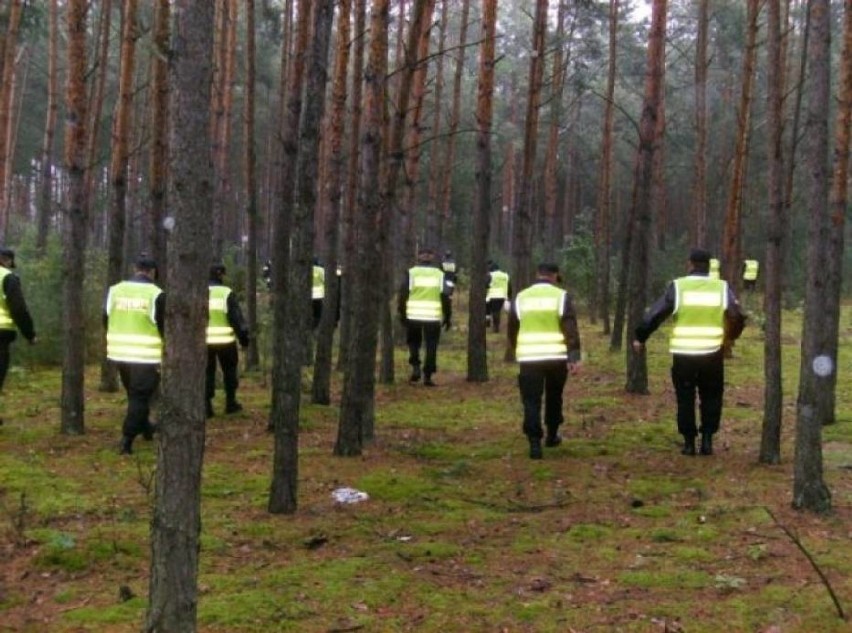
147,266
548,271
492,266
448,254
7,257
217,271
699,260
425,255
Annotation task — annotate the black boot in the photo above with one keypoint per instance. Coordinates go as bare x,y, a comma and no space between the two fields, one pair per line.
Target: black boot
415,374
126,445
427,380
232,406
688,446
706,443
535,448
553,439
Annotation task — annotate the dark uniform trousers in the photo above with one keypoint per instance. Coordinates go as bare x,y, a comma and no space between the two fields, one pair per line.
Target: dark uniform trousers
4,360
545,378
316,312
229,362
140,380
494,308
705,374
417,333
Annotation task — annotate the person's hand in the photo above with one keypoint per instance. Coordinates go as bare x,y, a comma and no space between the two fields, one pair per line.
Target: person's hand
403,321
638,346
447,324
574,367
244,340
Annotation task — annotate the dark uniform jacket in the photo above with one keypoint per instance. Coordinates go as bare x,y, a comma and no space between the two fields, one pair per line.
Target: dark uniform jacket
446,291
568,325
159,305
17,309
235,316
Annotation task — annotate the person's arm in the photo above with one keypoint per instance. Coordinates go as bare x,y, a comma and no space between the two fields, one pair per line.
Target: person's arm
570,330
735,319
447,309
18,306
160,312
659,312
402,299
514,325
236,320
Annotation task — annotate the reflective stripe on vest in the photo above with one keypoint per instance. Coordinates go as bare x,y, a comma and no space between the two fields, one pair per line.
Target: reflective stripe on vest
540,337
499,287
751,268
425,284
318,287
699,313
6,322
132,335
219,331
714,269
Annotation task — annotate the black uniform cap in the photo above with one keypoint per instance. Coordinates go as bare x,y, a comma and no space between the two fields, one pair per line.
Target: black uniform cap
146,262
699,256
9,254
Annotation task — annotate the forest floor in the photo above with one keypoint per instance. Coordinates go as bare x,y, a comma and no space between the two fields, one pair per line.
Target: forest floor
613,530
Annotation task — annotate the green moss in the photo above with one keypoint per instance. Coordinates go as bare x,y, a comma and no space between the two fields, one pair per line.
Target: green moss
681,579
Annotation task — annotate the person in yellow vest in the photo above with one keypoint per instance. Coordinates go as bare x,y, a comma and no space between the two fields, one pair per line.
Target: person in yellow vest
134,318
543,329
714,271
751,268
317,292
225,327
499,292
448,265
14,315
706,315
424,305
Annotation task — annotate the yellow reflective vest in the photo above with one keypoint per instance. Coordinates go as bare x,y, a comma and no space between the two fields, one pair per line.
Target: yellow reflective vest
714,269
539,310
425,284
699,315
6,322
132,335
318,285
499,286
219,330
751,269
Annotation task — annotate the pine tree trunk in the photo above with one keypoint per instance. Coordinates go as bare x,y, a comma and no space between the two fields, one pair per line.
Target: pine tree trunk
770,442
7,74
430,224
45,209
252,356
158,156
550,161
523,221
356,407
283,493
325,335
443,218
640,268
352,175
176,520
74,235
603,237
477,358
698,226
731,238
817,364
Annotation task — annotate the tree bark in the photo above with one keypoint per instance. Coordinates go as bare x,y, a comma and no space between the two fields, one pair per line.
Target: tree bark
7,74
603,237
357,402
282,497
250,158
770,442
523,222
637,369
731,234
477,358
698,226
334,191
176,522
283,493
550,161
809,489
45,210
74,235
158,153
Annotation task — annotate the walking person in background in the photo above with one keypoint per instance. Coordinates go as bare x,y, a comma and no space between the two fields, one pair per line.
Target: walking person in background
543,329
317,292
424,305
133,316
499,292
706,316
751,268
225,327
14,315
